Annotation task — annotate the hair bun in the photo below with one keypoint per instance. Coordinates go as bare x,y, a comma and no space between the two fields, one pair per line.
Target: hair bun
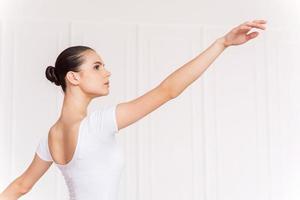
52,75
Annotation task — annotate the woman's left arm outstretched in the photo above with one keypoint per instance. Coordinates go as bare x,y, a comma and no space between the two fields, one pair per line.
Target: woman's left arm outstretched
172,86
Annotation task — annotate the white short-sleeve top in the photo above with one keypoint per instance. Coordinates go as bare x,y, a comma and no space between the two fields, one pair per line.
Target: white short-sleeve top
95,169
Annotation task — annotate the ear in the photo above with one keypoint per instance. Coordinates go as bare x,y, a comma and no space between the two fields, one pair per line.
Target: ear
73,77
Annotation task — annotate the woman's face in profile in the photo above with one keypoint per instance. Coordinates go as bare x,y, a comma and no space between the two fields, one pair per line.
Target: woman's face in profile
94,77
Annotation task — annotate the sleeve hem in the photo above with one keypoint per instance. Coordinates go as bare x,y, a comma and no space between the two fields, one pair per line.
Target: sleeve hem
42,158
42,150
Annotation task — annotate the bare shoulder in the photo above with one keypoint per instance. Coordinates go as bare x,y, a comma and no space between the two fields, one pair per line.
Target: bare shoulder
56,129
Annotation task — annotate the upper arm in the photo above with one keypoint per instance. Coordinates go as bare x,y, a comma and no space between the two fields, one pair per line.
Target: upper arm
34,172
131,111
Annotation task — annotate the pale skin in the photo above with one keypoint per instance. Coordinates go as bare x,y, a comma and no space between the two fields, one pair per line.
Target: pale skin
89,83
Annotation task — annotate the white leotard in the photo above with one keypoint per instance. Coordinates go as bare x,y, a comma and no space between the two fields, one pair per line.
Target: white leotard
95,169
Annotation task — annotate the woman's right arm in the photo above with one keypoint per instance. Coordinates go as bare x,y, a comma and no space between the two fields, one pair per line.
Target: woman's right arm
26,181
14,190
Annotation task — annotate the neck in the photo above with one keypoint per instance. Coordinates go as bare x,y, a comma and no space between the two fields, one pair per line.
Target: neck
74,106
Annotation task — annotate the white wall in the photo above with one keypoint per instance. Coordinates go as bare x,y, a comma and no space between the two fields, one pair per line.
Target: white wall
231,135
279,13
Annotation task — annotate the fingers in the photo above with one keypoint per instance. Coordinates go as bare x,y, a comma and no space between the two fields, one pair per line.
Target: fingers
260,21
252,35
256,25
245,28
260,24
242,29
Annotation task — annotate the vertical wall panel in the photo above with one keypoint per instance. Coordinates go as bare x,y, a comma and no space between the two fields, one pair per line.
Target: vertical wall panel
4,127
262,149
198,130
231,128
209,124
276,151
165,136
290,117
284,113
6,102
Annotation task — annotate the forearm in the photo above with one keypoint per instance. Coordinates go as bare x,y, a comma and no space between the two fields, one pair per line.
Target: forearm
177,81
13,191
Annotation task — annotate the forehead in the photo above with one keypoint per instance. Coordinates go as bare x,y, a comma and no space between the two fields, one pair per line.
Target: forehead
91,57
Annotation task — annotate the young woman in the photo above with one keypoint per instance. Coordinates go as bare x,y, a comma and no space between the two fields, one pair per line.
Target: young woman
83,146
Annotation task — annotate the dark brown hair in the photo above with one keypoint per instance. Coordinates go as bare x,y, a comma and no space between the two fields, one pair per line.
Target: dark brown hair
68,60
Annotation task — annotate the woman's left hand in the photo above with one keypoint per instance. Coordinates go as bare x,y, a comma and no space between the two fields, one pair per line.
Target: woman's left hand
240,34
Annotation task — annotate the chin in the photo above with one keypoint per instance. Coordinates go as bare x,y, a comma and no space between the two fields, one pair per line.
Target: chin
102,93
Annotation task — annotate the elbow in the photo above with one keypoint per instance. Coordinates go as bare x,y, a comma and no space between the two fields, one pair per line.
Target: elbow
22,188
168,91
172,93
14,191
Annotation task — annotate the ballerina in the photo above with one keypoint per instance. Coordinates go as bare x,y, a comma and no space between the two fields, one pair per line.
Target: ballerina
82,145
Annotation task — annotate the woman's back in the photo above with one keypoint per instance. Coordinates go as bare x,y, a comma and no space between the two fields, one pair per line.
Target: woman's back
62,141
93,161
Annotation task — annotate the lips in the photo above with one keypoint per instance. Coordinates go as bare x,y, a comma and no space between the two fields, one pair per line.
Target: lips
107,83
